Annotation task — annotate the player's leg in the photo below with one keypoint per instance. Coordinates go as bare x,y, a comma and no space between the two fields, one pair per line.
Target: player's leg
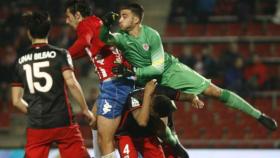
97,152
181,77
232,100
179,150
109,108
70,142
38,143
168,137
126,147
106,130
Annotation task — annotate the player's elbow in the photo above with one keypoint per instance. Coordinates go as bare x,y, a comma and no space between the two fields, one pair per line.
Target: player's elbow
158,70
71,84
142,122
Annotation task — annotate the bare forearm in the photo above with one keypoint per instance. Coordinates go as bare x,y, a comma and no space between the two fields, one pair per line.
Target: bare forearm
77,93
21,105
186,97
144,112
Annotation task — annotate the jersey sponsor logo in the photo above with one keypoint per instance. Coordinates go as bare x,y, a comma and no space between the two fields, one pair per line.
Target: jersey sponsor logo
134,102
146,47
106,108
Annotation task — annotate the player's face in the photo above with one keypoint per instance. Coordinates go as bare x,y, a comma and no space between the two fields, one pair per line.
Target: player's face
71,19
127,20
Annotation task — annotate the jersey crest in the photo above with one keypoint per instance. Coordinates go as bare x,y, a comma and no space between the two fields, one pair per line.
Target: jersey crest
146,47
134,102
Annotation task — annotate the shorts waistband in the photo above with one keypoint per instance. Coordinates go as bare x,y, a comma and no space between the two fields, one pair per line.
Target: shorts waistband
110,79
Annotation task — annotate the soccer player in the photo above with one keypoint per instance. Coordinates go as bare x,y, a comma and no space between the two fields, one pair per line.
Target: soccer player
142,47
141,124
41,78
113,89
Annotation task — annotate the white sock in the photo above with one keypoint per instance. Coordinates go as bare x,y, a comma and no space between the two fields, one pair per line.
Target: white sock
111,155
97,153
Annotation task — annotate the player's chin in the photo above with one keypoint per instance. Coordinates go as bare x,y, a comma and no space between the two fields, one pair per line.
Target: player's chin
122,27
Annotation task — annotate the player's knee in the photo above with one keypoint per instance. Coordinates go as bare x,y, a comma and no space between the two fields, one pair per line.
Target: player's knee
213,91
105,137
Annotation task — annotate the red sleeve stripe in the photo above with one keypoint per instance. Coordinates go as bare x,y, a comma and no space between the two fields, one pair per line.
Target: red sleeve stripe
66,68
16,84
126,114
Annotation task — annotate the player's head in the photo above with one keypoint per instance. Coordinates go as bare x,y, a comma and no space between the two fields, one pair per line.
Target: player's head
130,15
76,11
162,106
38,24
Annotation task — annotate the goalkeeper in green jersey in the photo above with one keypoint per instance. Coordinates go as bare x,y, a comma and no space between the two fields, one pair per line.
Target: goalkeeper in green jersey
142,47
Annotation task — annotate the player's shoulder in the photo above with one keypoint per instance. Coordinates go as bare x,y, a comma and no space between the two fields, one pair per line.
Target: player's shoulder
149,30
61,53
90,21
58,49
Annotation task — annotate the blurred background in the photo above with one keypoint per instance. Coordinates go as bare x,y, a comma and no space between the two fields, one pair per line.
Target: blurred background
236,43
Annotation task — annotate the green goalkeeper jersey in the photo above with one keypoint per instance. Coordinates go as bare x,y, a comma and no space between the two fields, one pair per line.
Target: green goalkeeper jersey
145,53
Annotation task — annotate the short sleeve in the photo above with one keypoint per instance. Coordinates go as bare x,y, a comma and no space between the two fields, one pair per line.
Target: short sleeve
135,99
16,79
66,62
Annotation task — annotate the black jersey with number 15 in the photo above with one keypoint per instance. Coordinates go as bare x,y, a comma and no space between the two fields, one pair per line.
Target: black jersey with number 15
40,72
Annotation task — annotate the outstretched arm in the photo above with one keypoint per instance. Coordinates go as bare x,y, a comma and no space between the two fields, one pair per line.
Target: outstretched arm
105,35
177,95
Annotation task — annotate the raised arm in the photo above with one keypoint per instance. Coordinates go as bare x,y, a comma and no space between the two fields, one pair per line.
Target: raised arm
84,37
105,35
142,115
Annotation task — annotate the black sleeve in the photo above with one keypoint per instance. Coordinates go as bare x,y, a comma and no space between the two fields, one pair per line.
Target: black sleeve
135,99
167,91
16,80
65,61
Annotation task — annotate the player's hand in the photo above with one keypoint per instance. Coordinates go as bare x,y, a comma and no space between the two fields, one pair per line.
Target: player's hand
197,103
150,87
109,18
120,69
90,117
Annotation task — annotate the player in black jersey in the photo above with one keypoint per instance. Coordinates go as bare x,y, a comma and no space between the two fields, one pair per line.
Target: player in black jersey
39,90
141,124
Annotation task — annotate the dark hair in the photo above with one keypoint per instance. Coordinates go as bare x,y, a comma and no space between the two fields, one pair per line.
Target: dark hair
135,8
38,23
163,105
79,6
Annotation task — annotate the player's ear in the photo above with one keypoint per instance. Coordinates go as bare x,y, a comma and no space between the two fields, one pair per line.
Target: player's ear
136,20
78,16
29,35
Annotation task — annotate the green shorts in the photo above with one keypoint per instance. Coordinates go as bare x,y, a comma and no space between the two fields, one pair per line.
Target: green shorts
181,77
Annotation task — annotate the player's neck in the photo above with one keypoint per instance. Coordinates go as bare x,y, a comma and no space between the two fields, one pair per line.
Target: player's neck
39,41
135,32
